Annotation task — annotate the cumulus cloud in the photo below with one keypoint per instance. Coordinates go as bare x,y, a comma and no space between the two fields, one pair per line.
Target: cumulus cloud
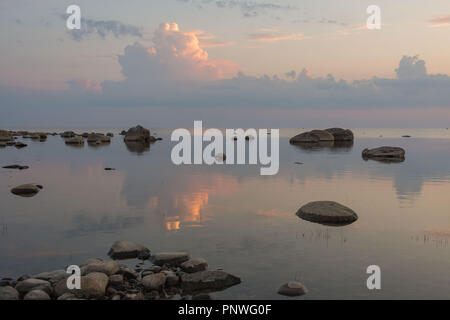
441,21
411,68
104,28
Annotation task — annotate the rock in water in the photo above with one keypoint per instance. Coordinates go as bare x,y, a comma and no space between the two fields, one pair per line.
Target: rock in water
292,289
16,166
385,154
123,249
37,295
100,138
75,141
52,276
323,135
170,258
327,212
20,145
340,134
8,293
194,265
154,281
26,190
137,134
207,281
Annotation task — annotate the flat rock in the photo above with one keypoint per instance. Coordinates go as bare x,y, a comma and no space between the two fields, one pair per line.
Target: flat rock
305,137
154,281
170,258
106,267
37,295
26,190
292,289
15,166
28,285
194,265
387,154
75,141
8,293
340,134
207,281
123,249
95,137
327,212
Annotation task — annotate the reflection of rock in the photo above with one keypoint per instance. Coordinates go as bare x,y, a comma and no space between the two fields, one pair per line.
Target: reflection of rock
20,145
385,154
123,249
292,289
26,190
340,134
314,145
328,213
207,281
137,147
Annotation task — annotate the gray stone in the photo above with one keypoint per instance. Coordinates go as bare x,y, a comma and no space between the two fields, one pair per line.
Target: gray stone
292,289
327,212
106,267
123,249
37,295
52,276
170,258
208,281
8,293
154,281
93,286
194,265
28,285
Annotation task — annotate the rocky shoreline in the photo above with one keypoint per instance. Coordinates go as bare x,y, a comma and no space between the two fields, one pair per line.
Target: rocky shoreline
168,275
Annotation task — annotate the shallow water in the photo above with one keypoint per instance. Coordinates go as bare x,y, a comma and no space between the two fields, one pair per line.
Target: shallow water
238,220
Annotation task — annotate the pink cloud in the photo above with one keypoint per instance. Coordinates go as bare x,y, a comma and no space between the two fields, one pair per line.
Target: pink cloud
441,21
268,37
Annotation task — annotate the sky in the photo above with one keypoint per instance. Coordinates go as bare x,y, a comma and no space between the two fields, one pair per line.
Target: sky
230,63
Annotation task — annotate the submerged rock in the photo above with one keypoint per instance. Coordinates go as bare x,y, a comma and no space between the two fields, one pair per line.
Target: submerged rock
20,145
16,166
170,258
340,134
385,154
123,249
327,212
27,190
8,293
207,281
292,289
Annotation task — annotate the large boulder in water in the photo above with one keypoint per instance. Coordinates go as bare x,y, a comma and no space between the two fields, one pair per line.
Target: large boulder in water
385,154
340,134
137,134
123,249
313,136
327,212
